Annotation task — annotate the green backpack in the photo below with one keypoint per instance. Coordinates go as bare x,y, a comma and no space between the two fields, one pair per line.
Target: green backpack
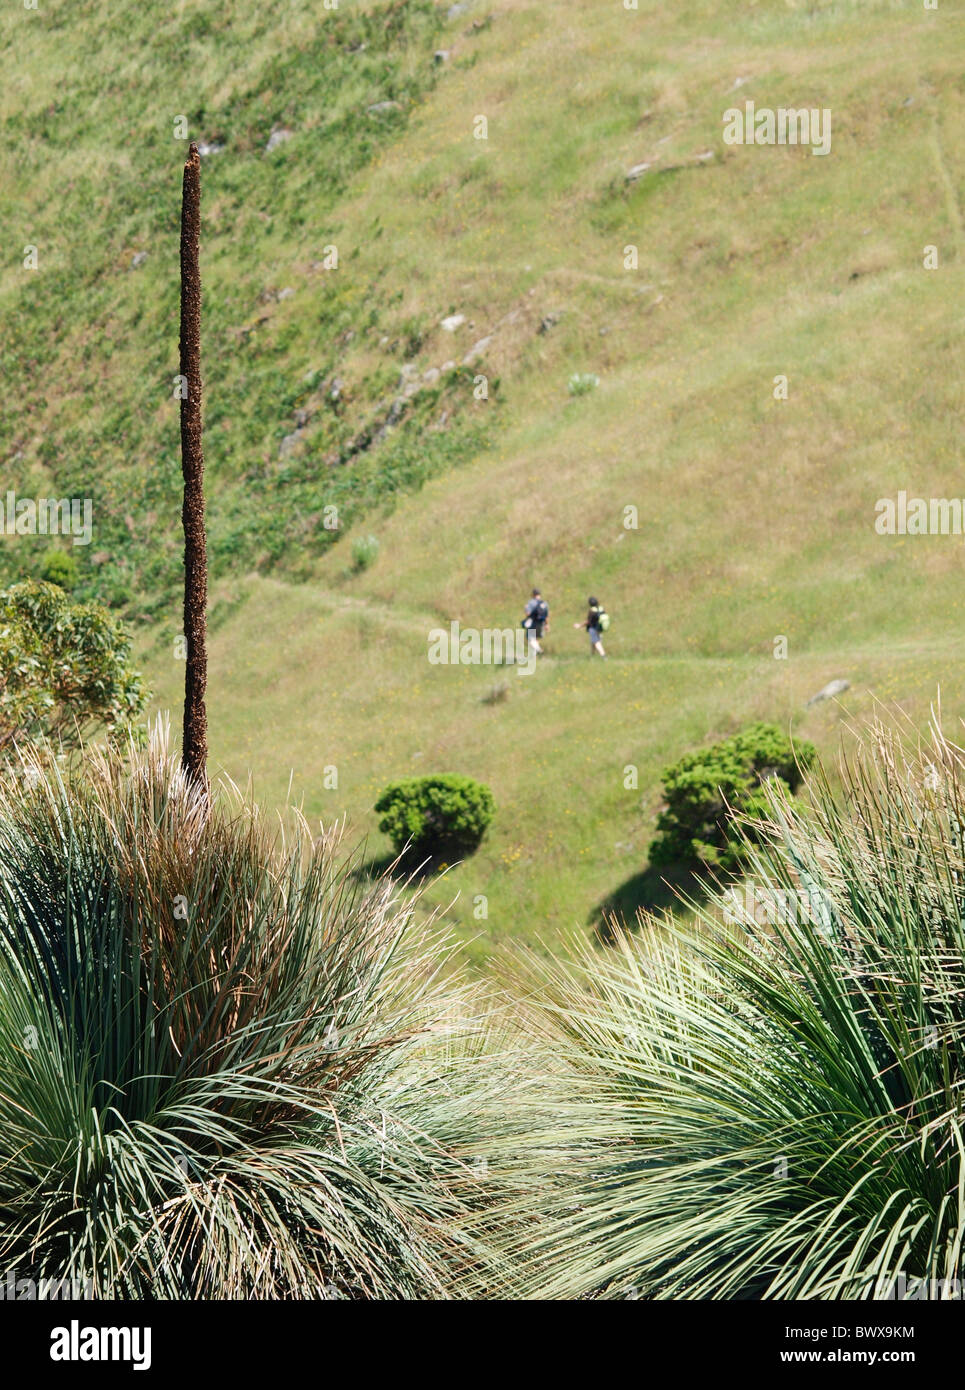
603,620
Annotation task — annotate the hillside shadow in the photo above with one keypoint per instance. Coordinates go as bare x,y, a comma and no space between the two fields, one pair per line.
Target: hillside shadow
653,890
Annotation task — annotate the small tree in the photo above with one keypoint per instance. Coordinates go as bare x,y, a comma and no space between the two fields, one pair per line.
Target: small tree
445,815
705,788
64,668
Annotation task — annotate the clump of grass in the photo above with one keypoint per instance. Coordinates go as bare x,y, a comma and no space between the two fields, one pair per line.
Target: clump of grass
497,694
230,1070
365,550
582,383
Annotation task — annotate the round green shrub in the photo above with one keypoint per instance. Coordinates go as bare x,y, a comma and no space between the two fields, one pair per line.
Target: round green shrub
60,567
706,789
442,816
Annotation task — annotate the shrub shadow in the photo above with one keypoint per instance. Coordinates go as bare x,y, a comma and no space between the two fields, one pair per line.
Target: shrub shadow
655,890
408,866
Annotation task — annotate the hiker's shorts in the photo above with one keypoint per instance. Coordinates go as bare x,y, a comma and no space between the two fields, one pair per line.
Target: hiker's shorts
594,635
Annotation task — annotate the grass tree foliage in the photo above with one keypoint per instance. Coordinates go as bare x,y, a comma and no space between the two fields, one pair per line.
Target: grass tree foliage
229,1070
772,1109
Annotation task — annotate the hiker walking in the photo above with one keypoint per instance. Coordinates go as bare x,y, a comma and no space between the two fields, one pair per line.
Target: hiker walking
596,622
536,621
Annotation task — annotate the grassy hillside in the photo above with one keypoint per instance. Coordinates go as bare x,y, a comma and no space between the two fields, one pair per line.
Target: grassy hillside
756,515
288,108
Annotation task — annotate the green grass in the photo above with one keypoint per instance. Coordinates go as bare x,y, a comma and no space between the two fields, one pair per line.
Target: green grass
756,516
92,167
567,834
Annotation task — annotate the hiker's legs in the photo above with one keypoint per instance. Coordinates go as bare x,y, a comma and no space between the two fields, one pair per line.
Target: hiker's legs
598,648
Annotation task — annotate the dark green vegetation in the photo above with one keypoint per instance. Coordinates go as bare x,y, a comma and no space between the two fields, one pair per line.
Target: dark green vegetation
60,567
706,788
65,669
442,816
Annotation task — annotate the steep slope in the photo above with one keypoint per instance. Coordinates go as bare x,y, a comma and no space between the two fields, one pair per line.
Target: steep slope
288,106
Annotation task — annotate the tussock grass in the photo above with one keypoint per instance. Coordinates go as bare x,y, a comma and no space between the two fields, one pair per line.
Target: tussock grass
230,1069
774,1111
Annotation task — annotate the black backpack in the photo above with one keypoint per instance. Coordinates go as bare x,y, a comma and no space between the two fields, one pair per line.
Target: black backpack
540,613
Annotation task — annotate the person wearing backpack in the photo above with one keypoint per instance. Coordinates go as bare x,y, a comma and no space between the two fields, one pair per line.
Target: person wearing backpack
536,620
596,622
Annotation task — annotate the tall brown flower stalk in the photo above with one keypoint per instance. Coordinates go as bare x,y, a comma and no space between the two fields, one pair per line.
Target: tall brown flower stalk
194,746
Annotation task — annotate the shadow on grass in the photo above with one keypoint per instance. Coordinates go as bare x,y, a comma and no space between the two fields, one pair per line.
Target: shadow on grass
655,890
408,867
